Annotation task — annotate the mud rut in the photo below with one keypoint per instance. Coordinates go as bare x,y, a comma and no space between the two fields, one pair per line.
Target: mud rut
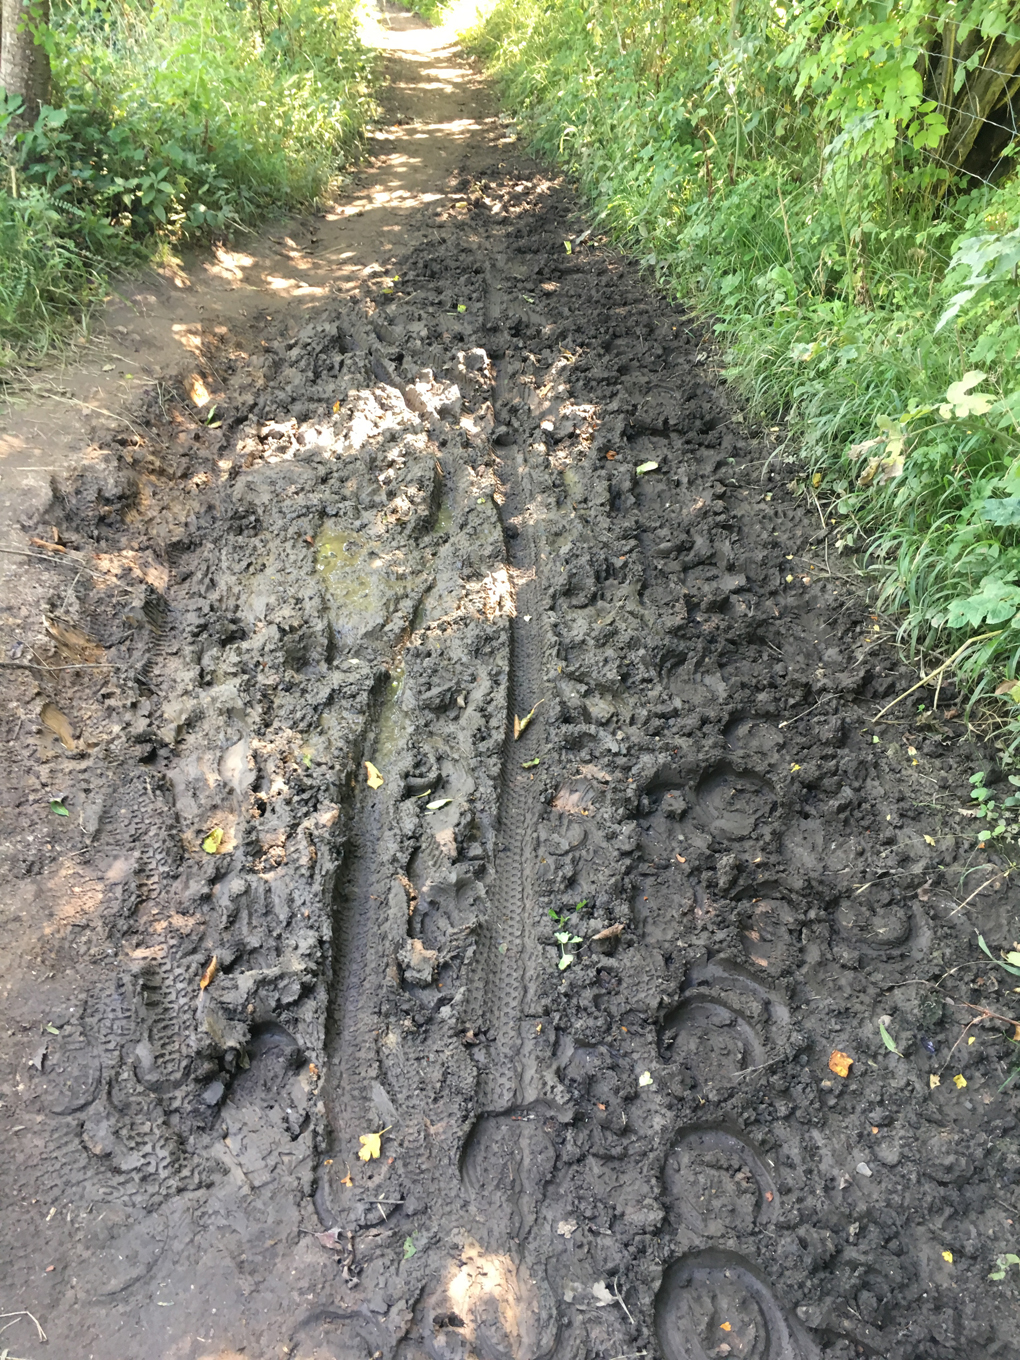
420,519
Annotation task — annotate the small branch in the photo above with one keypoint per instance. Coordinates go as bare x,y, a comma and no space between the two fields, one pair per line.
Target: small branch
927,679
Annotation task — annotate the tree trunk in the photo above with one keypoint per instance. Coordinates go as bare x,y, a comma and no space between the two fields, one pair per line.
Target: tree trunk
24,61
982,113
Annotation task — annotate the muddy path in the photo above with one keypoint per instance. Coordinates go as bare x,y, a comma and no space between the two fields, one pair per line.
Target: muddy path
640,861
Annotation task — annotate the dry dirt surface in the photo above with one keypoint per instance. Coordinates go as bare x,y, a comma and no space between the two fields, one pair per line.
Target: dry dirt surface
478,842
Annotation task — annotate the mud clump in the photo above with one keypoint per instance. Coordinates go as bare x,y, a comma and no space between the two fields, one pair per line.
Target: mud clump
581,972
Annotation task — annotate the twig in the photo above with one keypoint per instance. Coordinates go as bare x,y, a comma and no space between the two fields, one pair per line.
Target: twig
926,679
23,1312
619,1299
985,1014
760,1068
987,883
77,666
790,721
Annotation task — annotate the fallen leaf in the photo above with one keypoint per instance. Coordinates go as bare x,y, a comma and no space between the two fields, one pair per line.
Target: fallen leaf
960,1081
601,1291
52,1029
888,1040
642,468
371,1144
794,767
57,806
520,724
948,1256
209,973
567,1227
213,841
934,1081
645,1079
568,247
409,1248
611,932
929,840
529,764
840,1063
372,776
611,454
438,803
58,724
348,1180
725,1327
329,1239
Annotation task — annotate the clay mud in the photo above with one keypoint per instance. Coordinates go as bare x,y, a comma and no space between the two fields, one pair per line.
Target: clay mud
523,1051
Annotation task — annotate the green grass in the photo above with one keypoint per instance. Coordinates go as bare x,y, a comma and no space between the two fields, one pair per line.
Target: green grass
173,122
825,277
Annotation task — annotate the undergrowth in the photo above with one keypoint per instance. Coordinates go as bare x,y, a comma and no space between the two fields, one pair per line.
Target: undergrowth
171,122
865,292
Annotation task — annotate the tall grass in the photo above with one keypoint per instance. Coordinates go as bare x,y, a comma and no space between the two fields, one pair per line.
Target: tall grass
171,121
826,275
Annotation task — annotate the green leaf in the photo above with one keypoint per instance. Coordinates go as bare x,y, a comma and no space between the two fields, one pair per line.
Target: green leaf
409,1248
438,803
888,1040
213,841
57,806
530,764
642,468
1004,511
565,962
961,402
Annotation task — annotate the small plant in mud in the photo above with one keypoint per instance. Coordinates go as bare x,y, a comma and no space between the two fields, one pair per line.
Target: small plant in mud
1001,816
1002,1264
565,937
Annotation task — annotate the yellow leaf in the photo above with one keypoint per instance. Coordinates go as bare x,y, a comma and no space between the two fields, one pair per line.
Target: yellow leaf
209,973
840,1063
948,1256
726,1326
371,1146
375,781
348,1179
520,724
960,1081
794,767
816,480
934,1081
929,840
213,841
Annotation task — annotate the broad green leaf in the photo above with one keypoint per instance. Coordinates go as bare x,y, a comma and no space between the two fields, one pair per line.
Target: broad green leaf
57,806
961,402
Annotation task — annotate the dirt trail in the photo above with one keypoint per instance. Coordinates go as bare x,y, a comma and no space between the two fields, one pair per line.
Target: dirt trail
640,860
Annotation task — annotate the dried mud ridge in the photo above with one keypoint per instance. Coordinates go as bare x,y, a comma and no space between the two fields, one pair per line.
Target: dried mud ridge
420,519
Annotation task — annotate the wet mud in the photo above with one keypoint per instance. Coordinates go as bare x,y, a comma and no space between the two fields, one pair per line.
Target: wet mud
640,862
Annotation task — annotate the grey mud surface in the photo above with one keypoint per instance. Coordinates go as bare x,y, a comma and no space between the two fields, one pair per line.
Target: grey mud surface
417,517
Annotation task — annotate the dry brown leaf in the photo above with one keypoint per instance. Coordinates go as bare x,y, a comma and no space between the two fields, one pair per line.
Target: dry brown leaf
840,1063
72,642
209,973
610,932
58,725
